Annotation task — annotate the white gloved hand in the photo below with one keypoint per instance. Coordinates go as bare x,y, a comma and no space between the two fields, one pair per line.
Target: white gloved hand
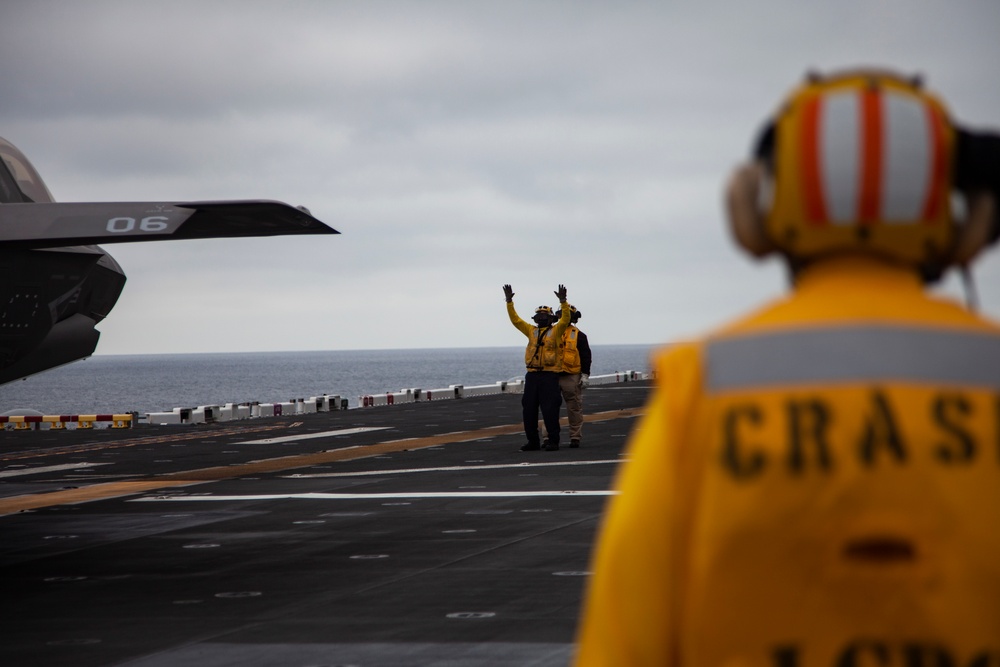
584,381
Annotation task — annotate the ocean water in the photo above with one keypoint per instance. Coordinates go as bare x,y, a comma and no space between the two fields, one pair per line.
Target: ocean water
106,384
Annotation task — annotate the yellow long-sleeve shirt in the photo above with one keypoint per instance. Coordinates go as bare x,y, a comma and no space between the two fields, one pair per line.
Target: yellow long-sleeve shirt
815,485
542,352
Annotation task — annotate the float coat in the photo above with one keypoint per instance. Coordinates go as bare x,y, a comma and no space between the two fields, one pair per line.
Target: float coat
542,352
571,354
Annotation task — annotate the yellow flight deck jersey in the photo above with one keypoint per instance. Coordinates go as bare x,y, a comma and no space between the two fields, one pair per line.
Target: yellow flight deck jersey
817,485
542,353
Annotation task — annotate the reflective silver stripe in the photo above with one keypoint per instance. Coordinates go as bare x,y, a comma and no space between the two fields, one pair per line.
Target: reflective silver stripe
853,354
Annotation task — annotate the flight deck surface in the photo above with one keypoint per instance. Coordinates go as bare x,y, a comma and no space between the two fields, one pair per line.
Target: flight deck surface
408,535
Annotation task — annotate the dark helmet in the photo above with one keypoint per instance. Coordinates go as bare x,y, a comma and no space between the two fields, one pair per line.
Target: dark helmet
574,313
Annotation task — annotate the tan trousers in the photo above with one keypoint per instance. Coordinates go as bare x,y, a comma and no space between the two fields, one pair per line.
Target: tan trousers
573,395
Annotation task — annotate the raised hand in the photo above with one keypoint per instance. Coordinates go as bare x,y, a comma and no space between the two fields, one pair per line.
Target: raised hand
561,294
508,293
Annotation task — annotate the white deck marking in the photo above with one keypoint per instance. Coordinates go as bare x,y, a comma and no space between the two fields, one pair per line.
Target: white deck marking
373,496
310,436
41,469
379,473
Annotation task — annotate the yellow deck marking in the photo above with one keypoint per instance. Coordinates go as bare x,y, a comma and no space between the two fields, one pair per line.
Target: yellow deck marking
16,504
108,490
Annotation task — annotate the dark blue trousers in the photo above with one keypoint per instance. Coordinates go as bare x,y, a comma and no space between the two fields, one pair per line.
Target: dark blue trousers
541,391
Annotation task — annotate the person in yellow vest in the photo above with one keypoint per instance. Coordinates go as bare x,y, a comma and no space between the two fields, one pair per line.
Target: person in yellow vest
818,483
543,361
575,375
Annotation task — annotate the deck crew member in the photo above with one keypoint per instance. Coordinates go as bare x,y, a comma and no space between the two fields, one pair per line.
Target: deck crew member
575,375
818,483
543,361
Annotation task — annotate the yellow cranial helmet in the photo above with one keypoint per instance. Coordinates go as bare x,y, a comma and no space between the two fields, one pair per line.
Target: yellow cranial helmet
860,161
543,309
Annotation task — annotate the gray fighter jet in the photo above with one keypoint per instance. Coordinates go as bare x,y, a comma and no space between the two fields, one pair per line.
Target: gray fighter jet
55,286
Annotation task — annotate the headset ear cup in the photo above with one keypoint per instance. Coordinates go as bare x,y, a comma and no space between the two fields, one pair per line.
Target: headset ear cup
976,233
746,221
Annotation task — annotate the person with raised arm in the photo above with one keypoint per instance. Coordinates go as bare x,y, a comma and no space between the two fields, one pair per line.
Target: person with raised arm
543,363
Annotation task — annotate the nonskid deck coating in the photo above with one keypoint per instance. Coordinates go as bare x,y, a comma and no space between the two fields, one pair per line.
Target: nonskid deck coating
431,540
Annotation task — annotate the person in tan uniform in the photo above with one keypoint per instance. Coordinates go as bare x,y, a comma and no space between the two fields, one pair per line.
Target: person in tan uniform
575,374
817,484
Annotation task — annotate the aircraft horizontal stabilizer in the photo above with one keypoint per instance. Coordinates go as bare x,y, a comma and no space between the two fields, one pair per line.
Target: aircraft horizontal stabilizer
48,225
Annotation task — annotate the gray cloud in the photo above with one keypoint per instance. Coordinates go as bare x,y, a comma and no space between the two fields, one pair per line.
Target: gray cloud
458,146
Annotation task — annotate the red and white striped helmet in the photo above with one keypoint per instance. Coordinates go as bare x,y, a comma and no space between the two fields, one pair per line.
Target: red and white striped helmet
860,161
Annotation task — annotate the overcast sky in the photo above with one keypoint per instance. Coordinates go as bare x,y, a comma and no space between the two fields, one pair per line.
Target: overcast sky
457,146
